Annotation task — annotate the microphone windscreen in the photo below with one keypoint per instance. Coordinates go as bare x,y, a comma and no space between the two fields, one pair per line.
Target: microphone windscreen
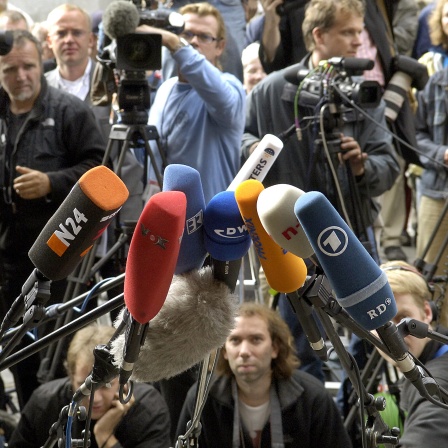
120,18
275,207
259,162
226,237
284,271
192,249
78,222
153,254
361,287
197,316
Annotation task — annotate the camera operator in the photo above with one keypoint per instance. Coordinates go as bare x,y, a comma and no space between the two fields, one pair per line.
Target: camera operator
331,29
200,113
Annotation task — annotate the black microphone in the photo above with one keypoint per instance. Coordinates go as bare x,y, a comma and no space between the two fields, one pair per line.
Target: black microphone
120,18
71,232
6,41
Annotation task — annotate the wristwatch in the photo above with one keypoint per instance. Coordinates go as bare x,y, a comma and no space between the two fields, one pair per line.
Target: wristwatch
182,43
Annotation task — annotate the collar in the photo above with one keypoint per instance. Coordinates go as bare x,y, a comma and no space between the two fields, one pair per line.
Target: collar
275,418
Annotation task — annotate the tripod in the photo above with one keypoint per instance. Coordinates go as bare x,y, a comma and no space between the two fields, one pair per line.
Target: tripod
122,138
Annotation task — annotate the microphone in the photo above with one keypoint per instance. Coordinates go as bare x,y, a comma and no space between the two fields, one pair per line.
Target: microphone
120,18
152,255
226,237
366,296
192,249
275,206
6,41
259,162
79,221
196,318
284,271
71,232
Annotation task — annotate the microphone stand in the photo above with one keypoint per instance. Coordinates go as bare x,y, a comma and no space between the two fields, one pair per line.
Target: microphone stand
63,331
56,431
191,438
318,292
34,308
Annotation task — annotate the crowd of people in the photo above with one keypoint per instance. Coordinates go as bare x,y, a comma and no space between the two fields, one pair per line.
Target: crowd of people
234,72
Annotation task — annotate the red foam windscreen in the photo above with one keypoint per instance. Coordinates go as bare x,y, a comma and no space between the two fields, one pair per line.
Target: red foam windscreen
153,254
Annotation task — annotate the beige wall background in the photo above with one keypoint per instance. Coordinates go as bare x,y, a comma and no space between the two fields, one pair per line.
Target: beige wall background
39,9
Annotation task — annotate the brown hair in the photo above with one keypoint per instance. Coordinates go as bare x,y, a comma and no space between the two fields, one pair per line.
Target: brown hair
204,9
286,361
321,14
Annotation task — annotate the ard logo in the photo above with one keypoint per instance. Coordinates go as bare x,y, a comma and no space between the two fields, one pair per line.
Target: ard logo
333,241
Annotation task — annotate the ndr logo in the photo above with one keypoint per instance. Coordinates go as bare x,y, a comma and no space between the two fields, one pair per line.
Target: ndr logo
333,241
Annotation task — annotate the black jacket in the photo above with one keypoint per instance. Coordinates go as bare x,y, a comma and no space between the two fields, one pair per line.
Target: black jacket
146,424
310,417
59,137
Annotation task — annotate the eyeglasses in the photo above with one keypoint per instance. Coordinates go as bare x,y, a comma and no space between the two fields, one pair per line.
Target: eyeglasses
203,38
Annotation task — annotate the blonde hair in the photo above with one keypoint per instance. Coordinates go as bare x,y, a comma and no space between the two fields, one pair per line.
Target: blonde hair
55,13
405,279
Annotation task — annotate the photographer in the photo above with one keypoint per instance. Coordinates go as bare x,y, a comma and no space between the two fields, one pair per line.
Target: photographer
200,113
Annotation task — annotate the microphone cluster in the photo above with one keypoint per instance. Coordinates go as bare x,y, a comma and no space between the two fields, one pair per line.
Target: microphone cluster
176,309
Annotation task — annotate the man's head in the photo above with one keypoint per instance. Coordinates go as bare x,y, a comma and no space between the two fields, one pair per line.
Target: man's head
21,71
332,28
260,345
80,360
70,35
205,30
412,297
12,20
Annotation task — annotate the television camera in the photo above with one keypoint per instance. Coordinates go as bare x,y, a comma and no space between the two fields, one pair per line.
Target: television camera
131,54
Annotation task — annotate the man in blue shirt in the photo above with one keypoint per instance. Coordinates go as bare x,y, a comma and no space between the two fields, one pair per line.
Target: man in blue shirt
200,114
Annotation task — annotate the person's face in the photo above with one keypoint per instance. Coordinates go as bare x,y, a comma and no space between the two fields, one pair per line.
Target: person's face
103,397
249,350
70,38
206,26
342,40
444,20
253,74
408,308
20,74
